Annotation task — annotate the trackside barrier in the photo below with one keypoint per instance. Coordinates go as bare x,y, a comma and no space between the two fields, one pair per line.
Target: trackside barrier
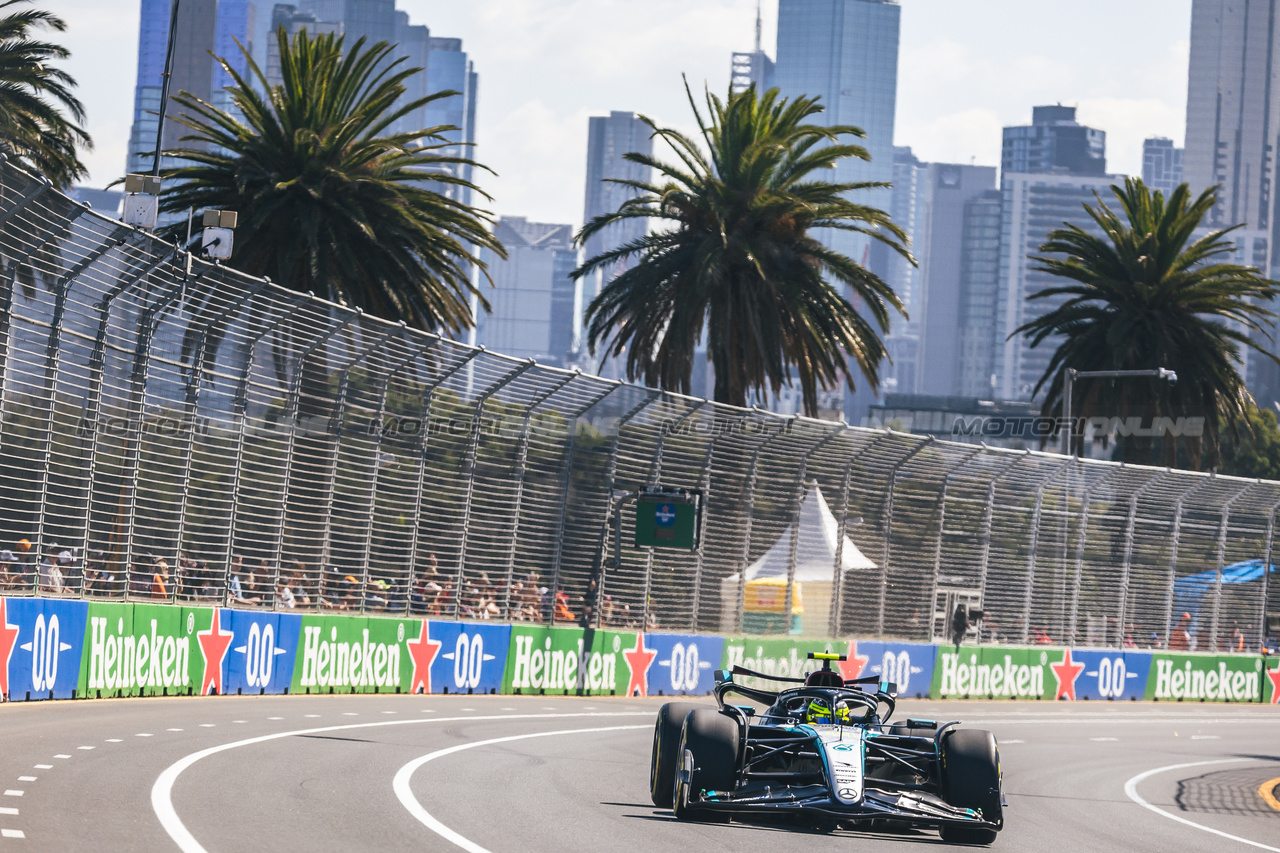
59,649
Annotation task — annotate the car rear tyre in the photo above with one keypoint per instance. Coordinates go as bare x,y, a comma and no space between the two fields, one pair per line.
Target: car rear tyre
971,780
666,750
709,760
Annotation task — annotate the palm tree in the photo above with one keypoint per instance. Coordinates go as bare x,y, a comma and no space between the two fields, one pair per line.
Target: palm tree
36,98
736,255
1148,295
329,201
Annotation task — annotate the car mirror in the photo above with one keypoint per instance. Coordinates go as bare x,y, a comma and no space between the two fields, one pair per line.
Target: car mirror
722,675
889,687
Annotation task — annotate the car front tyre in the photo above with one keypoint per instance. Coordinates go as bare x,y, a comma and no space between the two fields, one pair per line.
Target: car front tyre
666,750
971,780
709,760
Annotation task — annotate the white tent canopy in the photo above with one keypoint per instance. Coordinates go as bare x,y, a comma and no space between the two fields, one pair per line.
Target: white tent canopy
818,532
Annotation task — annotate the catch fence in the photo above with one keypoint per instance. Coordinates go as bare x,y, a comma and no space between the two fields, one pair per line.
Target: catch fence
171,429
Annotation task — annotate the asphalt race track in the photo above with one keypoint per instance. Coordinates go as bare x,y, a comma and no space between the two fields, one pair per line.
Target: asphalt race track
526,774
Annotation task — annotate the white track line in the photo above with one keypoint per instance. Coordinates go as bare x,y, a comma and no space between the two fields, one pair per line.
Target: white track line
162,790
404,791
1131,789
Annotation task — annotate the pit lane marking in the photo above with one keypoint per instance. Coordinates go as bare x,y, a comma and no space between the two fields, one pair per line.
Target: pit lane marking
404,792
162,790
1265,791
1131,790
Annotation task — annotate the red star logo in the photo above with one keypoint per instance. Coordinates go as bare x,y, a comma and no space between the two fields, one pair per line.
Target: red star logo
8,639
422,651
213,646
638,661
853,667
1066,672
1273,674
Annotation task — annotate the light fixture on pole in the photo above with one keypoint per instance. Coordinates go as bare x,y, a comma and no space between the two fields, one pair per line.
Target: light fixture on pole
1068,386
218,236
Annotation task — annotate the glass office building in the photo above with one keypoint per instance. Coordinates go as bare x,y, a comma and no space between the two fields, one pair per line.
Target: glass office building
846,53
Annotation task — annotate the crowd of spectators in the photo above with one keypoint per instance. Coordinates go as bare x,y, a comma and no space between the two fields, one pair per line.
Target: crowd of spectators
250,583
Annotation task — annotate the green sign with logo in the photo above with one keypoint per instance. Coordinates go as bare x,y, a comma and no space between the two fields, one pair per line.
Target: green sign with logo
666,522
568,660
991,671
342,654
782,657
1209,678
141,650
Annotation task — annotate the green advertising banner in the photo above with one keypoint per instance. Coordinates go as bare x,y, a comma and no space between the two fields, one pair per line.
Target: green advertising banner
573,660
1209,678
344,654
139,650
994,672
783,657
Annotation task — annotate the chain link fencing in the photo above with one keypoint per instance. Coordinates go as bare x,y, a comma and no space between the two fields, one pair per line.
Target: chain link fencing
171,429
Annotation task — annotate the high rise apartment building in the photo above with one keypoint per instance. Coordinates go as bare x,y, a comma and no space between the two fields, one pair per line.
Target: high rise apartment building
1032,205
1233,128
535,301
846,53
754,68
1161,164
979,318
609,139
1054,142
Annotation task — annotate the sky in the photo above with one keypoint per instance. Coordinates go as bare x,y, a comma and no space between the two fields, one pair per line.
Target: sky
965,69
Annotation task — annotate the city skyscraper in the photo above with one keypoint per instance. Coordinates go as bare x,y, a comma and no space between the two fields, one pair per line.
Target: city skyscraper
900,372
609,138
1161,164
449,68
1054,142
535,301
979,288
1032,206
846,53
373,20
1233,127
754,68
946,191
194,37
413,44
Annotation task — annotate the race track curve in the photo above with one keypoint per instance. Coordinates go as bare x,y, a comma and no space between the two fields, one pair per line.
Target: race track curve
512,774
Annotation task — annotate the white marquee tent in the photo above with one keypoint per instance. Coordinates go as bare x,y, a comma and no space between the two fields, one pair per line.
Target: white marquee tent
817,532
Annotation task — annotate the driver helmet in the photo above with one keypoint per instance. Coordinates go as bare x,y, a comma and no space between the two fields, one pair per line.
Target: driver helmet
819,711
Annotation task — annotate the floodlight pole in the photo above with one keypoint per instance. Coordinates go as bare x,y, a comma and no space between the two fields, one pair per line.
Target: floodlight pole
164,86
1070,380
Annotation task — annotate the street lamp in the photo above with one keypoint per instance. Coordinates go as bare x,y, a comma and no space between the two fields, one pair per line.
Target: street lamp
1072,375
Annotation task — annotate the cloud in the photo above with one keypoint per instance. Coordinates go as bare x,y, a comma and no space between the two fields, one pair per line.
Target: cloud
959,137
1127,122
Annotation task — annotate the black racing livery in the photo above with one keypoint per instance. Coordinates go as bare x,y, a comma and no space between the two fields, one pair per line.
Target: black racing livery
825,752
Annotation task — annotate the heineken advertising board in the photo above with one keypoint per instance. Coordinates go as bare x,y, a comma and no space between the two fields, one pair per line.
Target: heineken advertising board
52,648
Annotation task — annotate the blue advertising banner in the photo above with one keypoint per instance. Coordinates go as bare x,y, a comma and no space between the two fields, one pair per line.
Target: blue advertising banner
40,647
908,665
467,657
682,664
262,650
1104,674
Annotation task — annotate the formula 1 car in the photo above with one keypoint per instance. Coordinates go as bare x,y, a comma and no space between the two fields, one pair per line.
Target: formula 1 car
825,753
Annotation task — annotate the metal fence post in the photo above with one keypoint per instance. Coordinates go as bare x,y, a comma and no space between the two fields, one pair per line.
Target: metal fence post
1126,567
1173,554
1222,553
567,481
986,525
136,411
293,402
1035,545
888,532
704,487
610,479
375,475
834,622
522,460
239,406
753,472
655,476
473,449
195,383
1266,572
336,419
942,525
1080,538
424,445
801,492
